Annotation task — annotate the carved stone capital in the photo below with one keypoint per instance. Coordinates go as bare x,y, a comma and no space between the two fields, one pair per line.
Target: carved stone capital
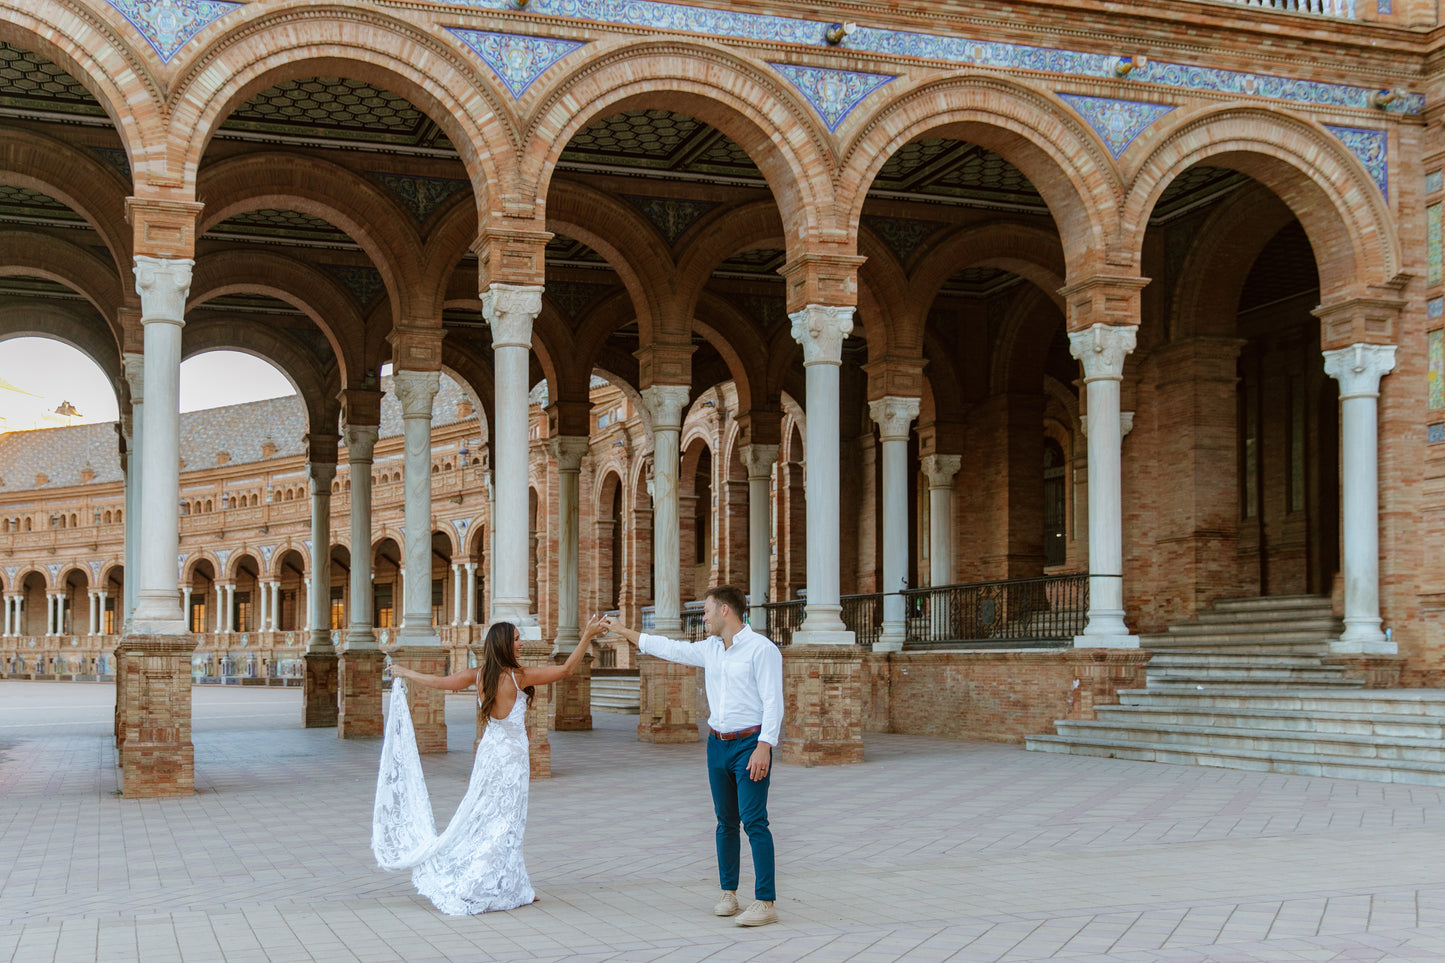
820,329
666,404
321,475
940,469
1359,368
1101,349
759,459
569,451
510,309
163,284
360,441
894,416
135,371
416,390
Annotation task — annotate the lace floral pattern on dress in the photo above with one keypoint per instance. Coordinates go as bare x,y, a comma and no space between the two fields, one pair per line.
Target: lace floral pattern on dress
475,865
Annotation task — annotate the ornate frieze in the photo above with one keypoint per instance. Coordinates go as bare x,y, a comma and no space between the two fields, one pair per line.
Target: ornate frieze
516,59
832,93
168,25
1119,122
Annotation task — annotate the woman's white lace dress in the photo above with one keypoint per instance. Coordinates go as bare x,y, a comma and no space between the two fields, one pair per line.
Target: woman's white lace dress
475,865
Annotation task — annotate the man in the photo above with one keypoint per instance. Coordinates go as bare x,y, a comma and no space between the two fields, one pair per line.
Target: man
744,678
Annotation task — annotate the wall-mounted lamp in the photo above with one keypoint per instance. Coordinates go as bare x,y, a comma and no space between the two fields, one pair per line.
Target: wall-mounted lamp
520,4
1126,64
1384,98
839,32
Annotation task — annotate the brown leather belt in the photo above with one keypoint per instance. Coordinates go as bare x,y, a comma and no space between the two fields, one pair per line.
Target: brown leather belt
740,734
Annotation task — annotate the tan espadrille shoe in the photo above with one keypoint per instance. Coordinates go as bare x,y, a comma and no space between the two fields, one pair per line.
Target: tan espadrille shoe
727,905
761,913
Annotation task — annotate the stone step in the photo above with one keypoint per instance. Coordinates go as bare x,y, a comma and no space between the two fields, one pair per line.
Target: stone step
1301,764
1394,702
1224,675
1285,720
1282,629
1209,657
1272,603
615,694
1398,748
1318,647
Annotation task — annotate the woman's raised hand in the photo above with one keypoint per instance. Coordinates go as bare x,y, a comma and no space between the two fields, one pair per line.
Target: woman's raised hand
596,626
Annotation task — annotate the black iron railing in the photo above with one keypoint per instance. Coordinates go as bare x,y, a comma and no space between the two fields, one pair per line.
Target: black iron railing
781,619
1026,612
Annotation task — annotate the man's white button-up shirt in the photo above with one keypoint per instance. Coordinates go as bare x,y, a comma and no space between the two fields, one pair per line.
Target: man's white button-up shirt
744,681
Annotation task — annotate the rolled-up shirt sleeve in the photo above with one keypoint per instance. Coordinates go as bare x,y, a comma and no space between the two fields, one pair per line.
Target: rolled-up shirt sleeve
672,650
769,669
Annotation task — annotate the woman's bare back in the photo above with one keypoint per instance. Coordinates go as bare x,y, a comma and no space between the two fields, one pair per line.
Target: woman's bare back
506,695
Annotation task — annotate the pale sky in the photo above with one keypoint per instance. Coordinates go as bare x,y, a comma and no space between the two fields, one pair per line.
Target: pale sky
59,373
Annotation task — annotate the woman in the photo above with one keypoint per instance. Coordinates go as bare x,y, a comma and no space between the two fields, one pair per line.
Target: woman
475,865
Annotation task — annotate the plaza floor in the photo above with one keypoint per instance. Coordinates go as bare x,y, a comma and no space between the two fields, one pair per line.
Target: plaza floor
931,850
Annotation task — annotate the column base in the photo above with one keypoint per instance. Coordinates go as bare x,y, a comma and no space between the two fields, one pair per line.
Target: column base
666,701
1122,641
318,691
891,638
1363,637
153,715
428,705
823,690
823,637
572,698
539,747
358,680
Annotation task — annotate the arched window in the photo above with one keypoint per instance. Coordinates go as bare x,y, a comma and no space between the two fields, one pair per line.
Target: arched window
74,519
117,514
1055,547
210,506
27,524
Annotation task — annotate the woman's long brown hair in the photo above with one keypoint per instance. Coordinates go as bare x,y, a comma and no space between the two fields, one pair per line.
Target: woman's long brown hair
497,655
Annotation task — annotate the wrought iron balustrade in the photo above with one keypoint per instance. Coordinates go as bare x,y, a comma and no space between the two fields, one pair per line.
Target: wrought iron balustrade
782,619
1015,613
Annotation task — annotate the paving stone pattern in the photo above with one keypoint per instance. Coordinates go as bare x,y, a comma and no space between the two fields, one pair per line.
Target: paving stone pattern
931,850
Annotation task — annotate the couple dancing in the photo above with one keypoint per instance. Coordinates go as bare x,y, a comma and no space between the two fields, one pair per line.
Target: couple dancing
475,865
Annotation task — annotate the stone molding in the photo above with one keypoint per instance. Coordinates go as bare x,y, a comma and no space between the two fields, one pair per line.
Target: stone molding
894,416
1101,349
163,285
1359,368
820,329
510,309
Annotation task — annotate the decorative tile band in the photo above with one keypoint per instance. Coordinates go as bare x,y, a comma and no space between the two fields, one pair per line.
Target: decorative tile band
1435,368
420,195
832,93
1434,434
1372,148
518,60
1117,121
1433,244
168,25
670,215
957,50
1433,182
1435,308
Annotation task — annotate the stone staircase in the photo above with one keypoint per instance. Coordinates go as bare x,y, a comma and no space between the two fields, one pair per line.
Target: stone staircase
1248,685
615,693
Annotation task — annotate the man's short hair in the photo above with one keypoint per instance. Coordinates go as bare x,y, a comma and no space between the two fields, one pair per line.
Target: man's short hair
731,596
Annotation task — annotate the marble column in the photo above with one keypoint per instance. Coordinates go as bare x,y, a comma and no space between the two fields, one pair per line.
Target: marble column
1101,350
361,663
52,613
100,612
939,470
1359,368
263,601
135,377
456,594
163,284
218,624
758,460
319,688
573,695
510,310
231,607
91,620
274,609
894,415
820,329
469,586
666,403
186,605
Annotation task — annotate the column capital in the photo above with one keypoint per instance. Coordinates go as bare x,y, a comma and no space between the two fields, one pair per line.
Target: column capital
1103,299
758,459
1359,368
940,469
666,403
894,415
820,329
416,390
510,309
569,450
1101,349
135,370
321,475
163,284
360,441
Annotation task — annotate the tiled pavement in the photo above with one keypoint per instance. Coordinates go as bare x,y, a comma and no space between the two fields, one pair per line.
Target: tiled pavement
931,850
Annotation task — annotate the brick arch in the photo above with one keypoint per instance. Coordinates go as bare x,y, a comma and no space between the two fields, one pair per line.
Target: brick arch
107,571
1023,341
279,556
42,255
739,343
342,198
266,45
884,295
450,234
313,292
317,387
1059,155
100,57
80,567
943,382
738,96
625,239
1218,264
472,369
1343,213
717,237
24,575
204,555
78,179
70,325
233,564
785,369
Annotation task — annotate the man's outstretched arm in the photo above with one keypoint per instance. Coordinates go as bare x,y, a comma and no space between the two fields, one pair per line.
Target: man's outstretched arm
664,648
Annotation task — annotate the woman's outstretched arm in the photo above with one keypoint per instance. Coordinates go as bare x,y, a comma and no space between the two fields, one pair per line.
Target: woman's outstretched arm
454,682
544,674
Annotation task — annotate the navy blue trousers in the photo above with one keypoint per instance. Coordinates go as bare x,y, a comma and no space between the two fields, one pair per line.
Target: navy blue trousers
735,797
